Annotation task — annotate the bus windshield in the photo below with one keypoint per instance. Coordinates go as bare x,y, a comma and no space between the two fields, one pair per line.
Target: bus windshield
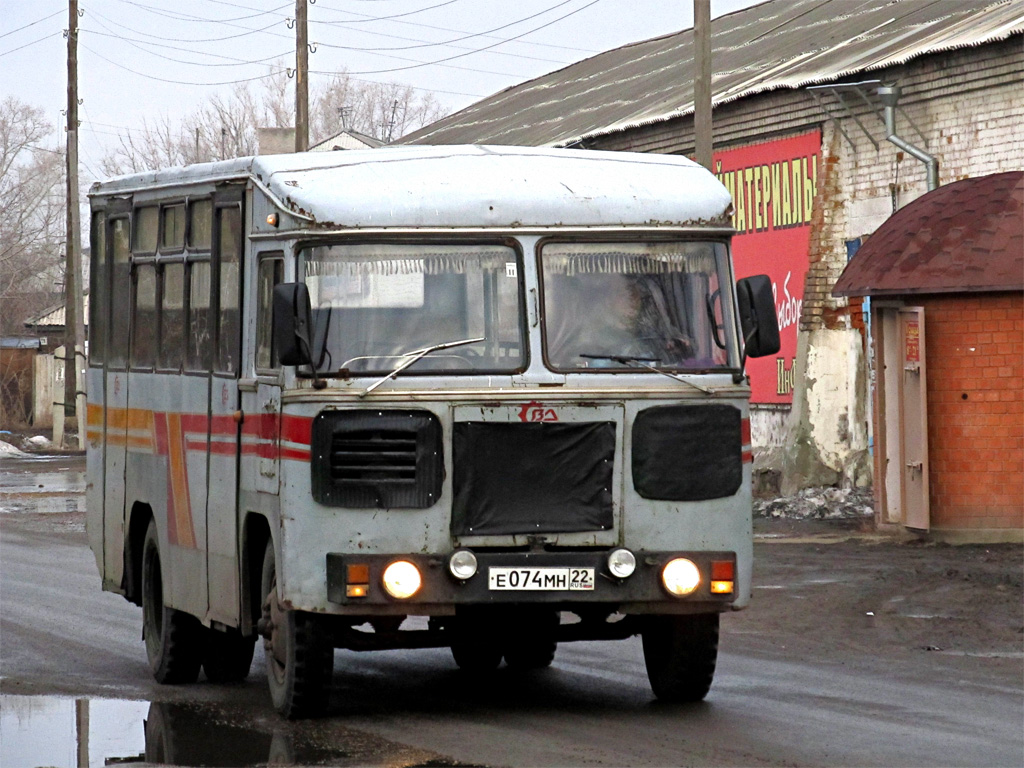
375,303
614,304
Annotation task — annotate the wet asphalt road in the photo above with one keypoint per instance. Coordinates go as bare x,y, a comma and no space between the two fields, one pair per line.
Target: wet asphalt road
62,639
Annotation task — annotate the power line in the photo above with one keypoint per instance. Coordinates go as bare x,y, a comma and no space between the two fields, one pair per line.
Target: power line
478,50
366,19
26,45
181,82
234,62
248,31
32,24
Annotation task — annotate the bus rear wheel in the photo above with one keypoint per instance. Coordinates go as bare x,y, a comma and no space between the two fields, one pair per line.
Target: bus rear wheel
300,658
680,653
173,638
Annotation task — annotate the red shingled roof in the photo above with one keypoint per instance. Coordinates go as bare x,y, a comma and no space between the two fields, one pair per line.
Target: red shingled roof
964,237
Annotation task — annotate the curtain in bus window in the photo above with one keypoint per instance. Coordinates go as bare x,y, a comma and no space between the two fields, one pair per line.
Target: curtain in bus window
229,249
172,316
121,293
99,291
200,331
144,318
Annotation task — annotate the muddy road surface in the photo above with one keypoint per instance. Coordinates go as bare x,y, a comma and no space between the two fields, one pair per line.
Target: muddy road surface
857,651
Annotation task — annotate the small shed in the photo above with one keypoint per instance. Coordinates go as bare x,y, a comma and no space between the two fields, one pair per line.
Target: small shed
945,276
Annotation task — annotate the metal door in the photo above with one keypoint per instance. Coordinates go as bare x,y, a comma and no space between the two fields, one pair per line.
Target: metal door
914,420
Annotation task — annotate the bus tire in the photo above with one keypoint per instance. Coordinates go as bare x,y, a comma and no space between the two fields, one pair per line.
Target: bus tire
173,638
680,653
300,658
475,641
227,656
530,641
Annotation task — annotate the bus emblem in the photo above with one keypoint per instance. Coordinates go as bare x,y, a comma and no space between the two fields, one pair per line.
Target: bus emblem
534,411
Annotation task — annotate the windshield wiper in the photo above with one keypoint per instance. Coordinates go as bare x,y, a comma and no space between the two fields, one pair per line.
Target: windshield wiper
646,362
417,354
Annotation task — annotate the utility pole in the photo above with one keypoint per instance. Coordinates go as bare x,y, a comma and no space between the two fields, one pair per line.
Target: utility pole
301,78
74,327
702,82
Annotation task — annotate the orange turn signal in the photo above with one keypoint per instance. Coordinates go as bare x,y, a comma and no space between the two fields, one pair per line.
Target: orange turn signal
721,587
356,590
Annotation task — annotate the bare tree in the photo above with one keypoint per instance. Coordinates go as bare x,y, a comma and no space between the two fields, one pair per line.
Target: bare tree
385,111
32,236
226,126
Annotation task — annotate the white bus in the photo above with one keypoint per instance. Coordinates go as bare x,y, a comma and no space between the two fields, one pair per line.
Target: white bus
485,398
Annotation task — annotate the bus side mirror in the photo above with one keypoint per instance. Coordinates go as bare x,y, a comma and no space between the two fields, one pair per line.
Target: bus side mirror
758,320
292,323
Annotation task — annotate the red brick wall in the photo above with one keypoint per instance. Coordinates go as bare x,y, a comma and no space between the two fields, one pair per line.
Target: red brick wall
975,368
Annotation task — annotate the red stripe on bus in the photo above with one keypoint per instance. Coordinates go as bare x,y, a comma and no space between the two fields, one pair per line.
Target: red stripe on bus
745,432
297,429
747,456
294,454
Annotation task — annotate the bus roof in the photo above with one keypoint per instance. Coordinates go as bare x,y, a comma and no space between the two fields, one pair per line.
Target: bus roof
464,186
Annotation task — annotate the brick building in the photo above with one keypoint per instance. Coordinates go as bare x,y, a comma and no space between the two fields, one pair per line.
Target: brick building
801,140
946,278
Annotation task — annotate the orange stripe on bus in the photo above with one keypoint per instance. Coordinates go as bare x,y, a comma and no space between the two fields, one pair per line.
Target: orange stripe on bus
180,500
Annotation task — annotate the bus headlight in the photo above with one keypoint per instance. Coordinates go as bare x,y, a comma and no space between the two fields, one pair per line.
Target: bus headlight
402,579
680,576
462,564
621,563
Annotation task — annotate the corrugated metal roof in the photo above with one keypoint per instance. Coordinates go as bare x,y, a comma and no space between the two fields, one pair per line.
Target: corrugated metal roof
54,316
778,44
967,236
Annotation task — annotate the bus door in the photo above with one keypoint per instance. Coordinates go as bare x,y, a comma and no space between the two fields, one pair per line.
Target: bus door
225,414
115,433
265,406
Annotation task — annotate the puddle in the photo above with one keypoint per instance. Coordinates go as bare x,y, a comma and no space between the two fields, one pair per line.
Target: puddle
50,485
68,733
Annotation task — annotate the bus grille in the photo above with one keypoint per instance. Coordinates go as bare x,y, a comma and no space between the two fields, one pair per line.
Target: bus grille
380,459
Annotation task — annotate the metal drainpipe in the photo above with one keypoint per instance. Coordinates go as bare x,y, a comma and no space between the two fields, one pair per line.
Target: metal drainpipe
889,95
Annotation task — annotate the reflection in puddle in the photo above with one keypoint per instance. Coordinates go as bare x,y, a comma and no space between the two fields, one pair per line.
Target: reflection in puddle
67,733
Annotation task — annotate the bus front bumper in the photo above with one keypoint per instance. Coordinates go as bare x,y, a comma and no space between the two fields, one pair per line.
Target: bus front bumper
356,582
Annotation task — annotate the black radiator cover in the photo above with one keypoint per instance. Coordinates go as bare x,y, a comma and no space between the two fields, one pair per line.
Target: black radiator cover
687,453
372,458
532,478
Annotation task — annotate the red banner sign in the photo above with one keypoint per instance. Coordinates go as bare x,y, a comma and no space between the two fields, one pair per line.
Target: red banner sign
772,187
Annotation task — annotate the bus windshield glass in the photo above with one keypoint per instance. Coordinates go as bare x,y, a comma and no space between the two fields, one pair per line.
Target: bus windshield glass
375,303
616,304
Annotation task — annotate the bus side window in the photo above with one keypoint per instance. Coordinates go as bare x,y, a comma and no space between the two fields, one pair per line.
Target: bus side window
121,292
200,224
229,221
271,272
147,222
200,329
172,227
144,317
99,293
172,316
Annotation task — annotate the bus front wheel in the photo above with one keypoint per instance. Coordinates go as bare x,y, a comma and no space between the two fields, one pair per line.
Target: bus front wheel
680,653
173,638
300,658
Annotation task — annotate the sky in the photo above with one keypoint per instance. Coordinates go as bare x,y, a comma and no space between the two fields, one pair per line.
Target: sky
150,59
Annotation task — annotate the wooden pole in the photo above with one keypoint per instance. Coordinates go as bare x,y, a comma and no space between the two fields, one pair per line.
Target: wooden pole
702,82
74,326
301,78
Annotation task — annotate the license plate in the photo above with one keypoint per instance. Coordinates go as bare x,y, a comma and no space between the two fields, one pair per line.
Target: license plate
540,579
